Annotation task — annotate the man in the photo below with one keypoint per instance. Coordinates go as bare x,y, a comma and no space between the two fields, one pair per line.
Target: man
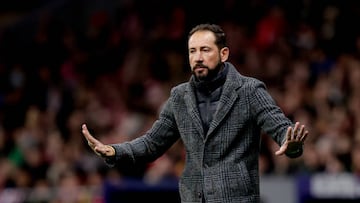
219,115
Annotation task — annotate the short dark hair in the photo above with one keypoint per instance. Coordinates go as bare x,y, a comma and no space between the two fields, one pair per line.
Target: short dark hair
220,38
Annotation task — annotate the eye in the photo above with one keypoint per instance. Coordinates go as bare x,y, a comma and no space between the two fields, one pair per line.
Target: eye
206,50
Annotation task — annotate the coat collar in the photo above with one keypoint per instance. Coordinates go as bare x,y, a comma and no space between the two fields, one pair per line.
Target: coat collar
227,100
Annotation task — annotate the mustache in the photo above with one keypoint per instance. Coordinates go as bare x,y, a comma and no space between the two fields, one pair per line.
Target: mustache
199,65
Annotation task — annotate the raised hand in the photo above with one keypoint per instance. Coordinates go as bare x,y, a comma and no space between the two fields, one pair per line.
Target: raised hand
295,138
98,147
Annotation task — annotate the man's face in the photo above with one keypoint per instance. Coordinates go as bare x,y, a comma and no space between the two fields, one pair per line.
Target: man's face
204,56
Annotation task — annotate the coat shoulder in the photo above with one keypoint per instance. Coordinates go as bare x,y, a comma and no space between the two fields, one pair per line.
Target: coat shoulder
251,81
180,89
244,81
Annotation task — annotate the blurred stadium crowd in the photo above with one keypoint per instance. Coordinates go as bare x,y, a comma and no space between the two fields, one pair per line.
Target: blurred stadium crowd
111,64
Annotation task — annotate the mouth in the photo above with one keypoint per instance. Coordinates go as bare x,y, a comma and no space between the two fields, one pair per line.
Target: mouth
199,67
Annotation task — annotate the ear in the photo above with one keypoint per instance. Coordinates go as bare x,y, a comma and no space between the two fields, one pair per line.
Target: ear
224,54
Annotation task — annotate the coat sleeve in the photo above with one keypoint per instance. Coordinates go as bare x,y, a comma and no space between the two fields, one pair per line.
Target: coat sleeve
269,116
150,146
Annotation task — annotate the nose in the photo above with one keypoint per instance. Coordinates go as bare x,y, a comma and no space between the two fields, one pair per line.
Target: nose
198,56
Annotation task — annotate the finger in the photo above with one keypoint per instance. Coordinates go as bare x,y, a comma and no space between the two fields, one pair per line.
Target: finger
288,133
84,130
100,150
304,136
301,133
295,131
97,151
281,151
87,134
104,150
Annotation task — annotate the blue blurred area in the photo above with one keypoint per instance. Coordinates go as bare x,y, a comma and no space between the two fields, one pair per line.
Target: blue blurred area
135,190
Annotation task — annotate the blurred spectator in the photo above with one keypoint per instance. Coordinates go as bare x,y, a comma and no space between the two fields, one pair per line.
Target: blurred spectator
72,61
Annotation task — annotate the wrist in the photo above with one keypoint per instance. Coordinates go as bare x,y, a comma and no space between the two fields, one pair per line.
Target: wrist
111,150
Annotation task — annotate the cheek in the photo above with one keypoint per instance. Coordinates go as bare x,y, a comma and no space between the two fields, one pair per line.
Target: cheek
213,61
192,61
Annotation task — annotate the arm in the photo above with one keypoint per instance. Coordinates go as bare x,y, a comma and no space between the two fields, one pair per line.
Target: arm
145,148
269,116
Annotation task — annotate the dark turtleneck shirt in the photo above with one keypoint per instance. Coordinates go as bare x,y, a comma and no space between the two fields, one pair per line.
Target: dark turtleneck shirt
208,95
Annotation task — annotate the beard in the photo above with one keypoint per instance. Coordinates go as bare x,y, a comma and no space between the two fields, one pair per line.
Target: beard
207,74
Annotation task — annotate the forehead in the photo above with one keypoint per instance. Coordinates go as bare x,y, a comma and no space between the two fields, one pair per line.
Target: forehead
202,38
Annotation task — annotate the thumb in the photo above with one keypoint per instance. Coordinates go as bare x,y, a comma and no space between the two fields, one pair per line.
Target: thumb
105,150
282,150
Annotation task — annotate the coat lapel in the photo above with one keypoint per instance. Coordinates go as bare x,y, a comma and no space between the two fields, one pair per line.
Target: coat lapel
227,99
191,106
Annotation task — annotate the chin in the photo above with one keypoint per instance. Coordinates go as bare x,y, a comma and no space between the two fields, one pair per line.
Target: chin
201,76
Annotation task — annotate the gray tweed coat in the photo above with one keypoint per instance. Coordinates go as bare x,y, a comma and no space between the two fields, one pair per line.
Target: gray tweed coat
221,166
